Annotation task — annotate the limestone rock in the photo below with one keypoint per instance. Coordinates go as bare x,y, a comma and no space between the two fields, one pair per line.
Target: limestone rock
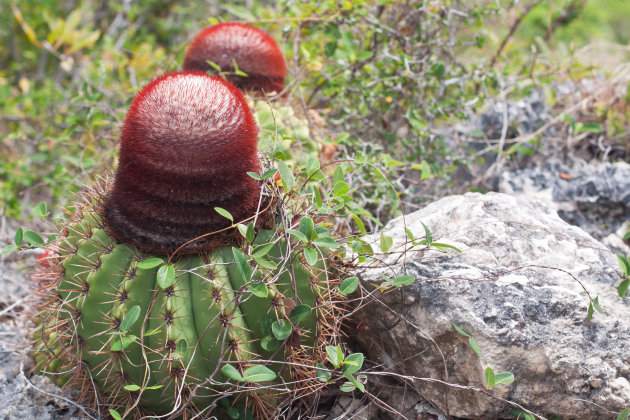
519,287
594,196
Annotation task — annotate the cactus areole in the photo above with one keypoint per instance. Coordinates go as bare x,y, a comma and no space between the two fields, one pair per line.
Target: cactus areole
145,332
256,54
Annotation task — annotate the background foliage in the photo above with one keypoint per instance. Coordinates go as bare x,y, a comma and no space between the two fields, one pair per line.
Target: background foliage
386,76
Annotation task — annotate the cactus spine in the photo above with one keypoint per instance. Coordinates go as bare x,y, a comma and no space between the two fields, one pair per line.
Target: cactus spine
154,331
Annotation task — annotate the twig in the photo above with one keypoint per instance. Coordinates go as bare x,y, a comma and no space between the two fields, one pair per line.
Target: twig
512,30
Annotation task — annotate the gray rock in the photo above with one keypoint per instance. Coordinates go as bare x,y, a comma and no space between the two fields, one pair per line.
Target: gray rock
521,288
23,396
594,196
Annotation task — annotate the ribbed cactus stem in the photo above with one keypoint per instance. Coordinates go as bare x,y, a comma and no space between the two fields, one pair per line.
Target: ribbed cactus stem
254,51
187,144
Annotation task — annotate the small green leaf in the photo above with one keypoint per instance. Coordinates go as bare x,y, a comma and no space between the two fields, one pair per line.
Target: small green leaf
33,238
591,127
259,373
281,329
426,170
310,254
300,313
589,313
238,71
298,235
114,414
386,242
622,289
242,229
409,234
255,176
269,173
122,343
224,213
427,233
474,346
150,263
326,241
258,289
287,177
339,353
347,387
242,265
318,197
214,65
232,373
624,414
355,382
265,263
166,276
307,227
349,285
340,188
155,387
443,247
459,330
152,332
261,250
359,223
365,55
333,355
322,374
8,249
41,210
489,375
403,281
312,166
338,174
521,415
596,305
269,343
250,234
504,378
352,363
132,387
624,264
130,318
19,235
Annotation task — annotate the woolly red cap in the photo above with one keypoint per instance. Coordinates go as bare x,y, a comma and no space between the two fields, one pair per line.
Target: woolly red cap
187,143
254,51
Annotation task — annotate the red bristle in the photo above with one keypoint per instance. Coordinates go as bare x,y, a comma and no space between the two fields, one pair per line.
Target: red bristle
187,143
254,51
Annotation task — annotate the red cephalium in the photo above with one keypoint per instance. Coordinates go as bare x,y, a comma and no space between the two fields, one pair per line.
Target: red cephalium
187,143
254,51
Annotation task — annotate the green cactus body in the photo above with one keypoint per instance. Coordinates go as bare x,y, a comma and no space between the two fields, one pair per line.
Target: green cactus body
283,123
184,332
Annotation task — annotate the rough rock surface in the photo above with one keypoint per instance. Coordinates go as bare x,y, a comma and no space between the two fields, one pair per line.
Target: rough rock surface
519,287
594,196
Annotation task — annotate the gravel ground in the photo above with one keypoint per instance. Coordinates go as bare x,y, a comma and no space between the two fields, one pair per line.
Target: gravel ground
22,395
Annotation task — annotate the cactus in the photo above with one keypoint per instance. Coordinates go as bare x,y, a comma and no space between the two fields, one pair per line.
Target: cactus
255,53
146,310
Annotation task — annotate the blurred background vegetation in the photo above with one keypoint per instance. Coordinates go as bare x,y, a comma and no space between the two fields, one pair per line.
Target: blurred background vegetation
386,76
